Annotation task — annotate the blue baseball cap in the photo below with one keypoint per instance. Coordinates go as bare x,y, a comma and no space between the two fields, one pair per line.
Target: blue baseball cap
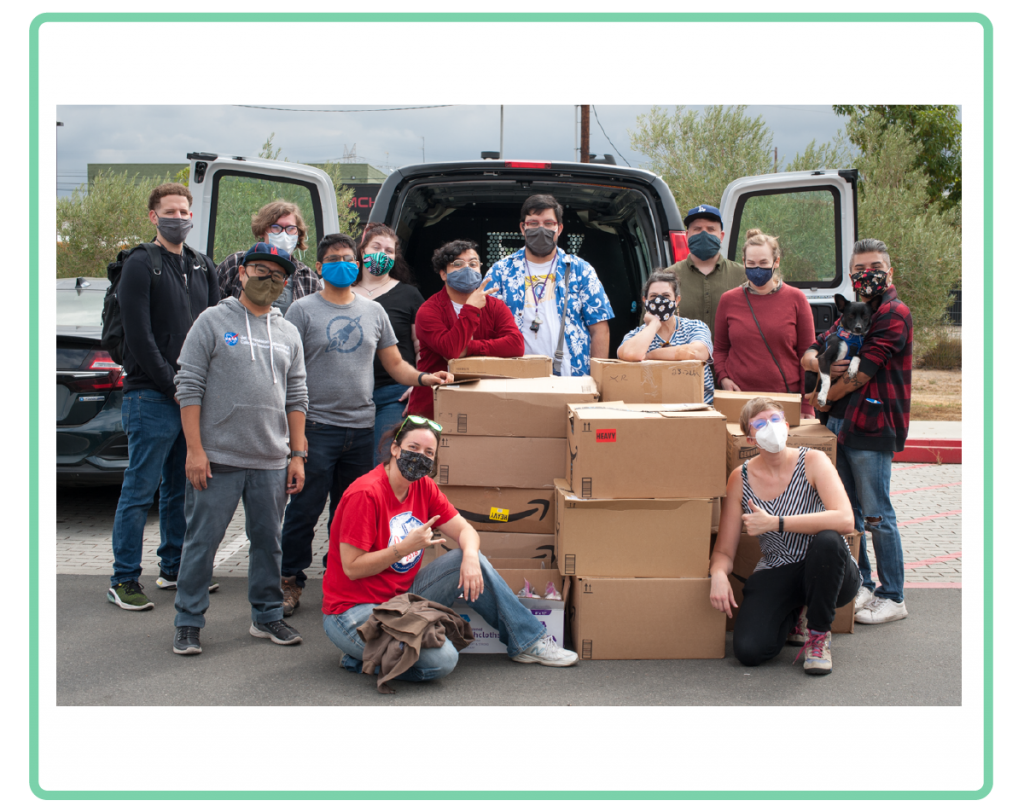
702,213
266,251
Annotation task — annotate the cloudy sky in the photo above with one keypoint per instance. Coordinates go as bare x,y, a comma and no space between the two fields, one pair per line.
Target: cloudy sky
384,138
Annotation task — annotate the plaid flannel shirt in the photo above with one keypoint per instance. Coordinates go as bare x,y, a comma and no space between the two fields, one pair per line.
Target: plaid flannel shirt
886,356
306,280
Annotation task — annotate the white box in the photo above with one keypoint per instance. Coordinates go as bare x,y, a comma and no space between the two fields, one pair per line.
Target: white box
550,613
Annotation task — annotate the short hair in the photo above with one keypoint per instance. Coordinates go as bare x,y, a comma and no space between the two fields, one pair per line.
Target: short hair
401,271
447,253
271,213
870,246
397,433
165,190
662,275
535,204
757,237
331,240
756,406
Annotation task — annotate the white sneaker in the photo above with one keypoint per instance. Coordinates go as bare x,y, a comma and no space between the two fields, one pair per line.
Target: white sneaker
863,596
881,610
547,652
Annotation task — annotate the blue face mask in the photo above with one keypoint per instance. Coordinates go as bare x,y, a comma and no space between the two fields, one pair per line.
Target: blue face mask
339,274
759,276
465,280
704,245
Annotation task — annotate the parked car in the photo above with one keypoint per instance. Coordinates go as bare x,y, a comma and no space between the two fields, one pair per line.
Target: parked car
91,446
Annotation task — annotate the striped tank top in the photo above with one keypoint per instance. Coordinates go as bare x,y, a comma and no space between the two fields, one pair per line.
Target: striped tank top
798,499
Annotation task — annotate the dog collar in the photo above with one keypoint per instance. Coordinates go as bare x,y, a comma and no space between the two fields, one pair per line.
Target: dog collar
852,340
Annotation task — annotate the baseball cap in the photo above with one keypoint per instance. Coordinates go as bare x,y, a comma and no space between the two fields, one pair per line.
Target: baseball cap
269,253
702,213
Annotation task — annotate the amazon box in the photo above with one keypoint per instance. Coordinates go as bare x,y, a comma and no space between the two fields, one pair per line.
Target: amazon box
731,404
486,366
808,435
613,449
532,407
505,510
666,538
649,381
500,462
645,619
536,546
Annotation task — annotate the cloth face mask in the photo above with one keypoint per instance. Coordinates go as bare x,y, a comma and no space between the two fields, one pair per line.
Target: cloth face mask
868,284
759,276
378,264
283,241
772,437
262,292
414,466
661,306
540,241
339,274
173,229
464,280
704,245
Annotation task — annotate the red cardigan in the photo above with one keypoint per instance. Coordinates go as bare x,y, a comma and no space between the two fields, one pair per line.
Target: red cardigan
442,335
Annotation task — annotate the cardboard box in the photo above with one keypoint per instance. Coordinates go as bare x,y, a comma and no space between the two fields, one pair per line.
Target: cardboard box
538,546
748,553
506,510
649,381
645,619
533,407
658,538
731,404
501,462
613,447
487,366
716,513
738,449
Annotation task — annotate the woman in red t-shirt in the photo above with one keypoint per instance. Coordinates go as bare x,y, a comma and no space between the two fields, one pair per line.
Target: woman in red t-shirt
385,522
460,319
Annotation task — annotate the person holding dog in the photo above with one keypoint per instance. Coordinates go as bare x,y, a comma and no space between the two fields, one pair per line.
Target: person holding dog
870,414
763,326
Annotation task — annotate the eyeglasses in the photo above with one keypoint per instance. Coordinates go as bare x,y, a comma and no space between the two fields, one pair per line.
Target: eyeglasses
419,421
760,423
339,258
290,230
461,263
550,224
274,273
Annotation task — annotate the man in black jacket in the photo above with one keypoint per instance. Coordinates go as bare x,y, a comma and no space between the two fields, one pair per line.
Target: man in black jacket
157,310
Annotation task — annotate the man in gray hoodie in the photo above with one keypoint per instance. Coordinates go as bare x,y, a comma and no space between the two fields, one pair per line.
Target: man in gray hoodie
242,390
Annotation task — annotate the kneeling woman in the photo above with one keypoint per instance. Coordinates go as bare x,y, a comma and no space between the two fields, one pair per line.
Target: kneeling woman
794,501
385,523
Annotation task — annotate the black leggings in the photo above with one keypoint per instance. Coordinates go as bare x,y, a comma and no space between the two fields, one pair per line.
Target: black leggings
827,577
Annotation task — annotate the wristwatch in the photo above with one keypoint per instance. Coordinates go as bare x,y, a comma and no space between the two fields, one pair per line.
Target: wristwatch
302,454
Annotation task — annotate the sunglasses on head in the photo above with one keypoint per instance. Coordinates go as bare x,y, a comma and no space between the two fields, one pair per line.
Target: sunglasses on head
761,422
419,421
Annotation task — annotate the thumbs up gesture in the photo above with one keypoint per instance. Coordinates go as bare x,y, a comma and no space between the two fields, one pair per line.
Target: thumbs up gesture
758,521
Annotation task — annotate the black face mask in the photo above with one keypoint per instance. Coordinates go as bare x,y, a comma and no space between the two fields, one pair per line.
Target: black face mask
661,306
414,466
540,241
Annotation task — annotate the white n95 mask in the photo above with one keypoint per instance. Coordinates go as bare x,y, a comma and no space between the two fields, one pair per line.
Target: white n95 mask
772,437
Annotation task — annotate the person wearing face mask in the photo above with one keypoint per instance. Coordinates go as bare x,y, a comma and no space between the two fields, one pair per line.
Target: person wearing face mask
533,283
157,313
705,274
279,224
342,334
763,327
793,500
870,414
460,319
242,390
386,520
665,335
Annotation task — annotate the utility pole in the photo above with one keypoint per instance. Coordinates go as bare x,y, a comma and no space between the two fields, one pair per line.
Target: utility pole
776,167
585,133
60,124
501,141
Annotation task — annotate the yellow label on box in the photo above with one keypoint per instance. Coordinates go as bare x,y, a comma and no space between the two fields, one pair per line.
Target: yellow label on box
499,514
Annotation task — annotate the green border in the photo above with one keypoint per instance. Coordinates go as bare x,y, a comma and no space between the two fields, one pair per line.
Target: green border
38,22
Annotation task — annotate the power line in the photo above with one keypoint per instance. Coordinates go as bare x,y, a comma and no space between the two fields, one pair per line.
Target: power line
599,124
375,110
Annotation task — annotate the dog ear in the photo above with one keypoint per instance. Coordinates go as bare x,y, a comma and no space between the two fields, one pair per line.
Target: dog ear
841,302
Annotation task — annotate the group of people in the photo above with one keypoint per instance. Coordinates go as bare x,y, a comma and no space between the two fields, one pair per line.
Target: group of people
291,387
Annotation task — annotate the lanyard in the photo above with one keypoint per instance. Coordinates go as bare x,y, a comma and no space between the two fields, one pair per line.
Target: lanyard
547,276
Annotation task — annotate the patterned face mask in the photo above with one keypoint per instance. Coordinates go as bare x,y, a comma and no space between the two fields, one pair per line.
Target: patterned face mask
661,306
868,284
414,466
378,264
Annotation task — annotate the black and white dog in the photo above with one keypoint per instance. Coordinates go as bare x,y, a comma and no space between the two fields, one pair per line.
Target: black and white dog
855,319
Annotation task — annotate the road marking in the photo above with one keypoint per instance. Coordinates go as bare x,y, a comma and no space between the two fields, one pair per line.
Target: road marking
927,488
928,518
928,561
229,549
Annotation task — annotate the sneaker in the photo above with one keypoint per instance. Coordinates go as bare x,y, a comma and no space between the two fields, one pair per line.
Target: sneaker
277,630
292,592
186,640
129,595
817,653
214,586
798,634
166,581
863,596
881,610
547,652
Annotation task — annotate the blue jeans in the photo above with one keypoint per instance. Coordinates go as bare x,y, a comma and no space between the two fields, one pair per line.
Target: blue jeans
337,458
865,475
438,581
389,414
208,513
156,459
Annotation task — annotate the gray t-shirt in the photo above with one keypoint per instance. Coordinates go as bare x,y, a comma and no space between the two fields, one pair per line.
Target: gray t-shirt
339,344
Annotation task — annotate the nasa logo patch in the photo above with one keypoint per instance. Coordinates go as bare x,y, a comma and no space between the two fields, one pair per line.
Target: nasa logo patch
231,339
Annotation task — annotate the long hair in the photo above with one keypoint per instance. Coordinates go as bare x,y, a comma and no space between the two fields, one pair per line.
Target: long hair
401,270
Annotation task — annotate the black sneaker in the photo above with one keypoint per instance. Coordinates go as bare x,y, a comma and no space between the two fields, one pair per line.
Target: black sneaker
186,640
277,630
167,581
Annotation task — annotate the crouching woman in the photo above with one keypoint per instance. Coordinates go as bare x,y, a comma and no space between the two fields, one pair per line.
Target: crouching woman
794,501
384,523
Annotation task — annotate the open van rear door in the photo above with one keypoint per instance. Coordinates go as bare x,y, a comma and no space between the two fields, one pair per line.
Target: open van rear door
227,192
814,215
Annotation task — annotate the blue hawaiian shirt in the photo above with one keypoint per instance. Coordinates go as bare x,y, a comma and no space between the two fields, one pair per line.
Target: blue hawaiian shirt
588,303
687,331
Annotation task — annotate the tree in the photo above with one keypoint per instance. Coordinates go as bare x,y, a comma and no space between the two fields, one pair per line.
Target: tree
936,131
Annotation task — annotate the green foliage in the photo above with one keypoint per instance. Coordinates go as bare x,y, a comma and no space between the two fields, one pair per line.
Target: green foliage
944,352
98,220
933,128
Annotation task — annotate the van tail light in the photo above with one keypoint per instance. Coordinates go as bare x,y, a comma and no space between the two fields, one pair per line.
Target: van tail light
108,374
680,250
528,164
